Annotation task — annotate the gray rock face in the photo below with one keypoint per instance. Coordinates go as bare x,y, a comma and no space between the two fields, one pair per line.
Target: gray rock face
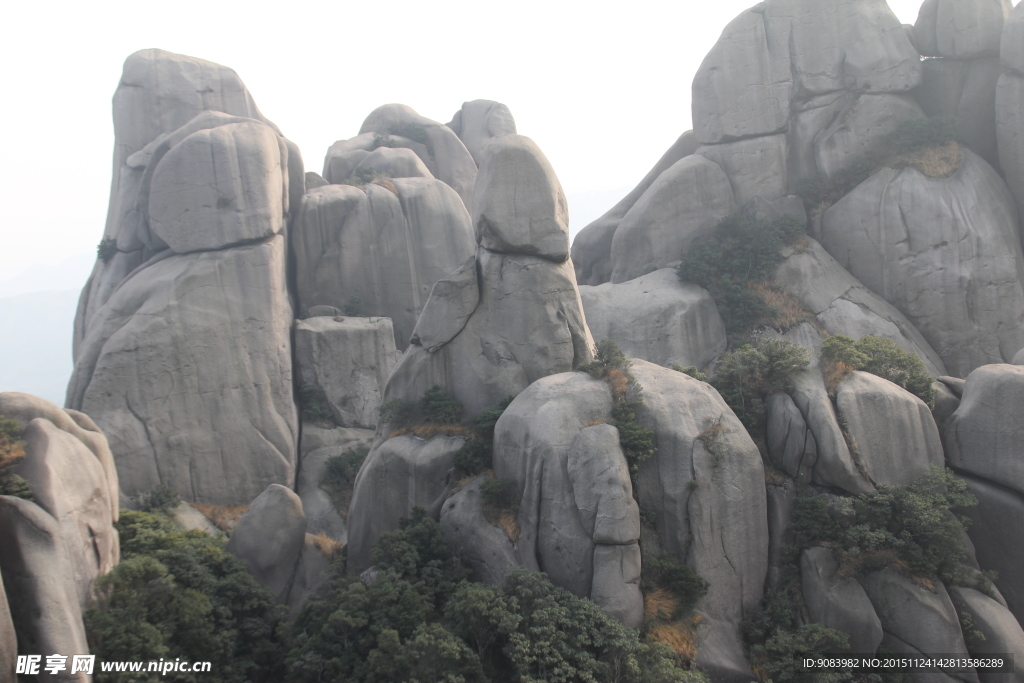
946,403
609,513
401,473
616,583
791,446
897,440
350,359
384,248
1001,631
998,541
438,146
916,620
42,593
201,340
1011,44
1010,132
839,604
478,121
269,538
961,28
1018,359
966,90
191,519
488,550
985,436
860,127
780,536
318,444
452,301
592,247
397,162
686,202
842,305
8,640
742,88
657,318
955,273
518,205
756,166
312,569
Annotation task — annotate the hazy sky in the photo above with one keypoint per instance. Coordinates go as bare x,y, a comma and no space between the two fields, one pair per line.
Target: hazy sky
602,87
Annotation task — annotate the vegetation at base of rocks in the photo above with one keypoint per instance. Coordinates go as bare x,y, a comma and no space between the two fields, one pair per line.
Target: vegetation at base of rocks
339,476
741,254
161,498
440,408
637,441
314,406
745,376
927,144
354,307
180,594
500,507
840,354
12,451
367,176
224,517
420,619
668,573
396,412
106,249
912,528
690,370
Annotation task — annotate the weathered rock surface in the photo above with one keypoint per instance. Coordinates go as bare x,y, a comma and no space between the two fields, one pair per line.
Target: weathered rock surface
944,251
1010,132
401,473
791,445
318,445
592,246
841,604
489,551
191,519
657,318
269,538
861,126
896,436
780,535
311,570
478,121
396,162
985,436
1011,43
965,90
349,359
916,620
518,205
842,305
383,248
1002,634
686,202
188,371
1018,359
962,29
8,640
756,166
946,403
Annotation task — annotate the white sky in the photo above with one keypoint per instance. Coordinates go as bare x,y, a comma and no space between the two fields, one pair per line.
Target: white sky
602,87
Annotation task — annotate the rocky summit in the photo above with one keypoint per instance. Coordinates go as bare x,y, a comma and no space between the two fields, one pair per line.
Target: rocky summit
385,420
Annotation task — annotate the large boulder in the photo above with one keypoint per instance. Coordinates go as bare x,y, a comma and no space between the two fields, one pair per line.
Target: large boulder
1011,43
838,603
395,162
269,538
1000,632
791,445
349,359
490,551
896,436
686,202
326,512
401,473
384,248
518,205
592,246
946,252
658,318
1010,132
478,121
756,166
962,29
966,91
985,437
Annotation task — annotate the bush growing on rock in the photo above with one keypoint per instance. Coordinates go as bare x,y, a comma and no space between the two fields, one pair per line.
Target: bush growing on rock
340,476
441,408
12,451
882,357
313,405
745,376
160,499
106,249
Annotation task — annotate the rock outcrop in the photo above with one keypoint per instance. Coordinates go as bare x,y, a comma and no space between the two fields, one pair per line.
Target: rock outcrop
477,122
1009,101
326,512
490,551
838,603
269,538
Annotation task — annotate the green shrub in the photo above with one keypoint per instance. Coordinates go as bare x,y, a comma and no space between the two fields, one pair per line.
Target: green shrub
396,412
473,458
637,441
882,357
106,249
665,571
12,451
441,408
180,594
745,376
384,140
741,252
354,307
498,493
690,370
339,476
313,404
162,498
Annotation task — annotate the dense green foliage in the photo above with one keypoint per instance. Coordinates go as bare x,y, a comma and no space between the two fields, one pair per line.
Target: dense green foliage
421,620
745,376
637,441
354,307
339,476
909,136
180,594
741,252
911,527
882,357
397,412
690,370
498,493
440,408
313,404
12,451
161,499
665,571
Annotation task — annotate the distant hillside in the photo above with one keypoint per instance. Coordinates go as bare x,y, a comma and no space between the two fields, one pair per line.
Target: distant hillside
35,347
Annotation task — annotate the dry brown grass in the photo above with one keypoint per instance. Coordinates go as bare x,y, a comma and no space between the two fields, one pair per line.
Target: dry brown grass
327,546
711,433
11,453
935,161
509,523
680,635
789,311
595,423
386,184
428,430
224,518
773,477
619,383
834,372
660,604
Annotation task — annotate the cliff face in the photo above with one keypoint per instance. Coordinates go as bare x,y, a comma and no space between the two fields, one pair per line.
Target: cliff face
251,330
